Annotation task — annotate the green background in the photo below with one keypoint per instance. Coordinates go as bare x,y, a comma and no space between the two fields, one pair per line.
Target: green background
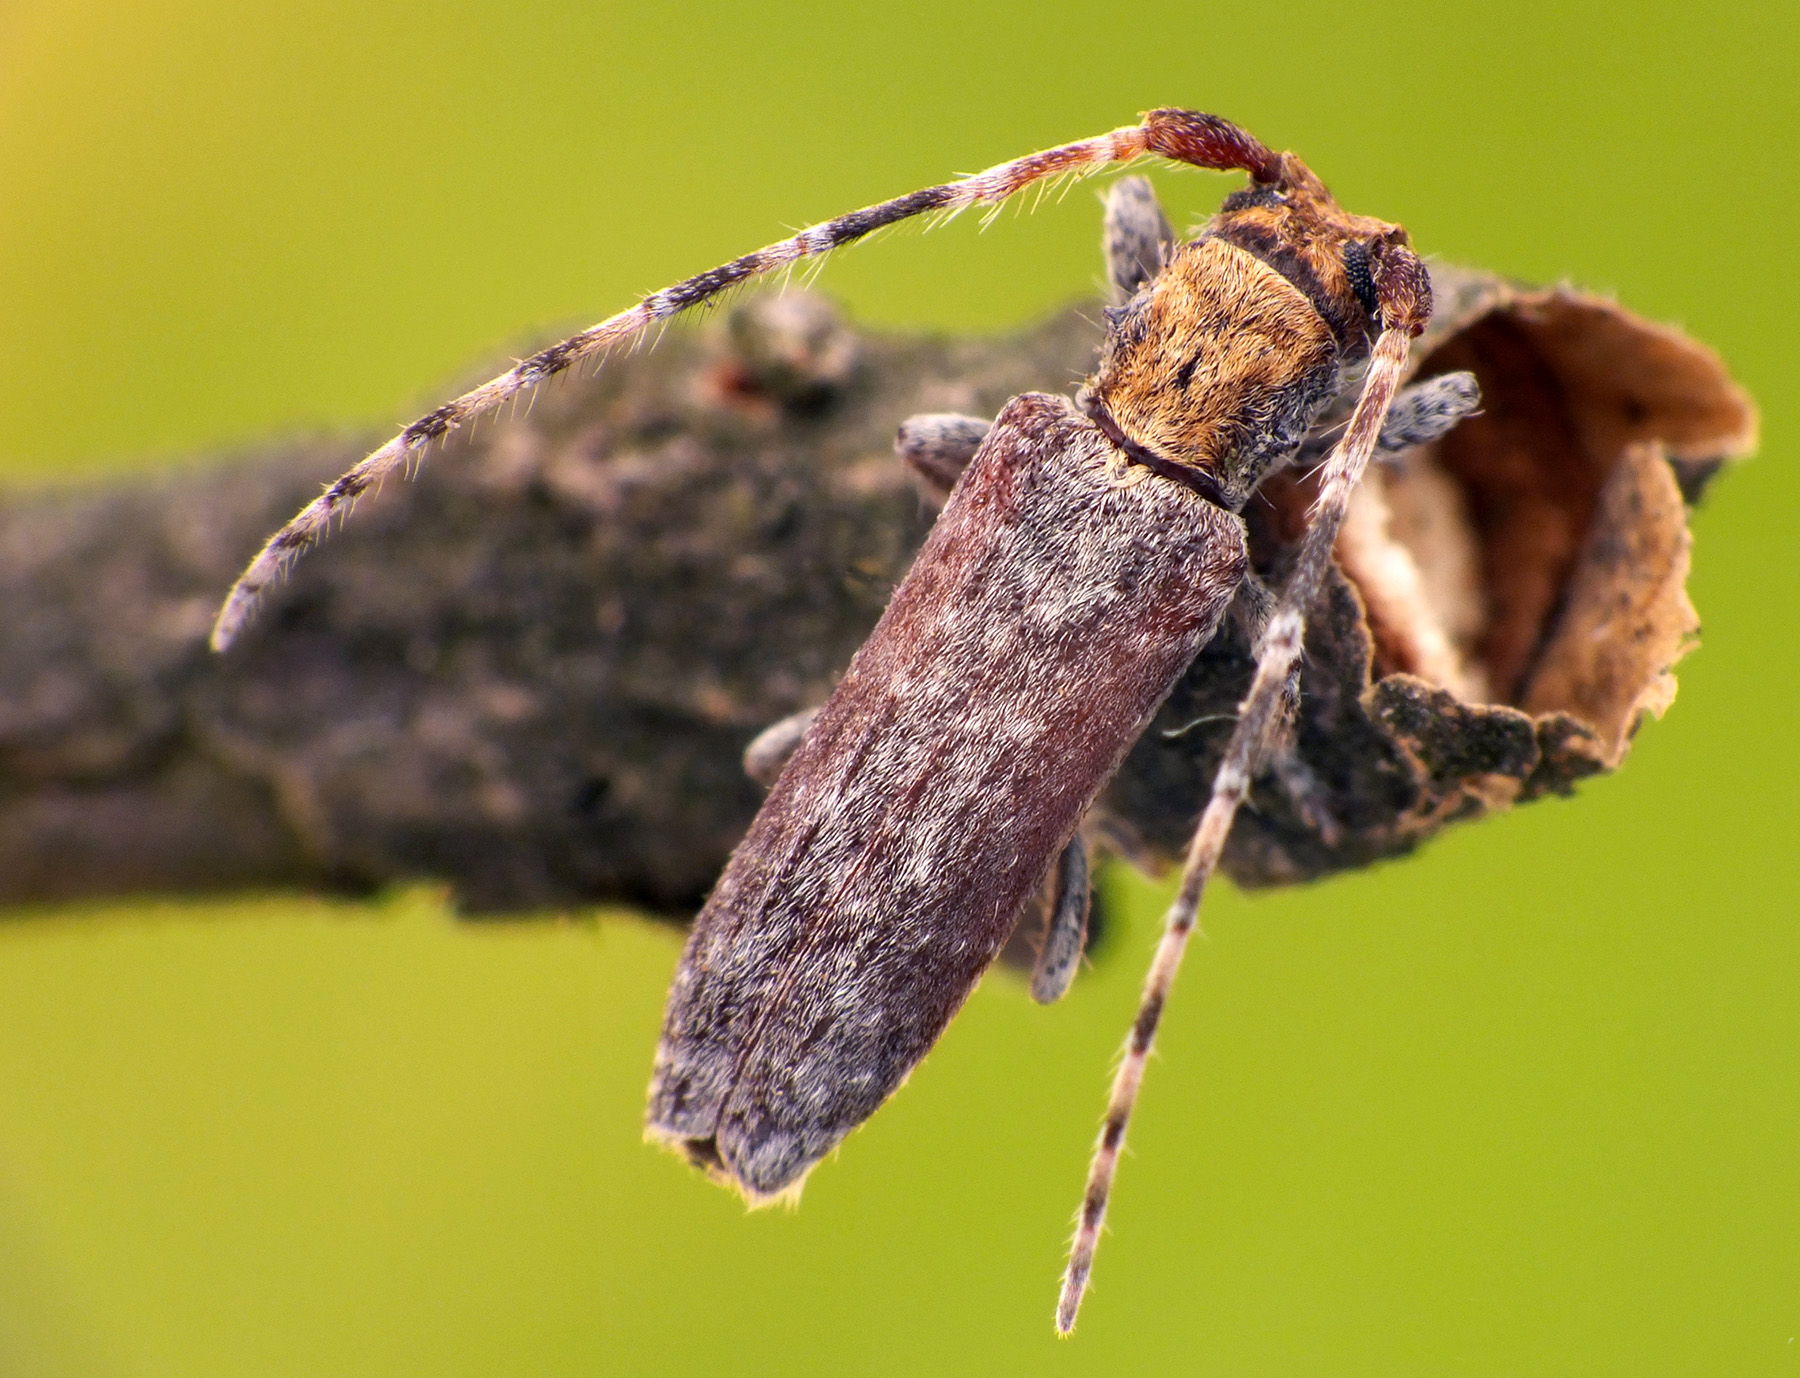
1527,1103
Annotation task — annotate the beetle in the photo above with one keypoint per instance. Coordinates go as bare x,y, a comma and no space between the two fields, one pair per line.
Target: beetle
1088,550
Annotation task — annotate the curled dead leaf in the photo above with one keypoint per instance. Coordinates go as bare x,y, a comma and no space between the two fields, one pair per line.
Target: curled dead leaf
1511,599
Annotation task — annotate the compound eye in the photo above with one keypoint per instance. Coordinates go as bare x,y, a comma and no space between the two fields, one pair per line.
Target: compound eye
1362,281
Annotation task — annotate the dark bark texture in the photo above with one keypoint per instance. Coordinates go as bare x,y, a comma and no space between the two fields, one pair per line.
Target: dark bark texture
530,675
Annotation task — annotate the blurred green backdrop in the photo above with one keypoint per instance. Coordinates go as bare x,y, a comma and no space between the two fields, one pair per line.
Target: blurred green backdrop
1528,1103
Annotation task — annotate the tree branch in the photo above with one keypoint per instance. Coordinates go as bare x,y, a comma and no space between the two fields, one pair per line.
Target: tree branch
530,674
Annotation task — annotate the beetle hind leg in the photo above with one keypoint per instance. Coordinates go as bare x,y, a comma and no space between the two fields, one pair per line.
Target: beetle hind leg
1066,934
770,749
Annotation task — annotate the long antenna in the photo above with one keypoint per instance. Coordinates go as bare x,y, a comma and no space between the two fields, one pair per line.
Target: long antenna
1180,135
1406,304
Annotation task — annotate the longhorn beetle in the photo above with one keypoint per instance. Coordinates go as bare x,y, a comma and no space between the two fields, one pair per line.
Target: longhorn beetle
1086,553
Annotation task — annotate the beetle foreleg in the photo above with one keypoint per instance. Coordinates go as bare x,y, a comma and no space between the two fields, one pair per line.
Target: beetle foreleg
1137,237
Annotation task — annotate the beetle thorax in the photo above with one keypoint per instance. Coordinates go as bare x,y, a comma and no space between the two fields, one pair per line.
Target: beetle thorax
1219,364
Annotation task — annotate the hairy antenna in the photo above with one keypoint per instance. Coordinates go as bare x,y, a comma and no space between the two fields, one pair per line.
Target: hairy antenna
1183,136
1404,294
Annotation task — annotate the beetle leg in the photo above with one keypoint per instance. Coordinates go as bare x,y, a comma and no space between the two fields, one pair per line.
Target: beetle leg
939,446
1137,237
1065,938
769,750
1425,411
1421,413
1307,793
1252,609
